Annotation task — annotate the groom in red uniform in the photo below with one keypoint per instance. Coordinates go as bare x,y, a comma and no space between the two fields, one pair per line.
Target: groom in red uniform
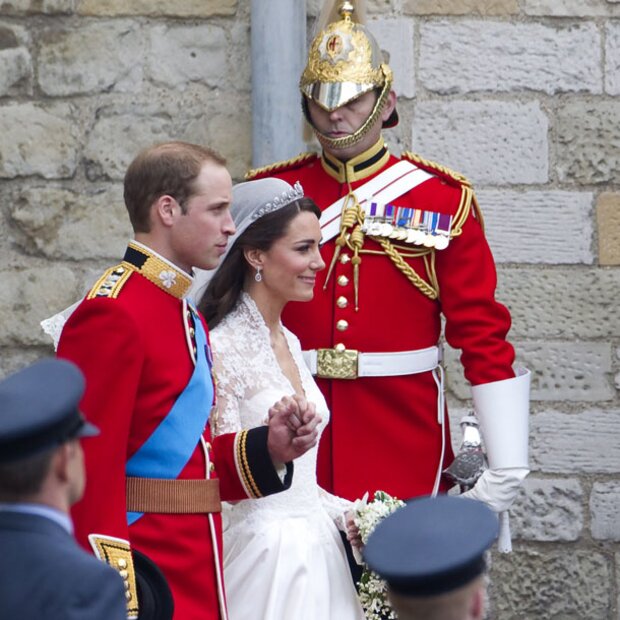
404,243
155,477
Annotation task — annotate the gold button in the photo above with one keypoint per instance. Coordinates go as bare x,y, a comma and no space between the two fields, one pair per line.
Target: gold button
211,467
128,595
342,325
345,258
192,332
121,563
340,348
127,586
342,302
123,573
343,280
209,447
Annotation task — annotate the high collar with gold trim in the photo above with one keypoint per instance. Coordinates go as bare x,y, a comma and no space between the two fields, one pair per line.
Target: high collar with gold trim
359,167
156,269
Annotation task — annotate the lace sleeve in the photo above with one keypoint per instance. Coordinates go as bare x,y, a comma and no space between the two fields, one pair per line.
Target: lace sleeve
229,381
336,507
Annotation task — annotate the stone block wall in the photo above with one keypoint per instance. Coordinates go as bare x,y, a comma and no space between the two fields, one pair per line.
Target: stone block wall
522,96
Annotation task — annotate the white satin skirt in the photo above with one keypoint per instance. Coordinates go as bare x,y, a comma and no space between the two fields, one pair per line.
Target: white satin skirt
288,568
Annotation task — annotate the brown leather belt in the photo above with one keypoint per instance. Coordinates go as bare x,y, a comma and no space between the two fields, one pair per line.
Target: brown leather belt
173,496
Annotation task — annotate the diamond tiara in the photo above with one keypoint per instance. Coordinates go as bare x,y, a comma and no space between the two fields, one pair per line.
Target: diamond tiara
280,201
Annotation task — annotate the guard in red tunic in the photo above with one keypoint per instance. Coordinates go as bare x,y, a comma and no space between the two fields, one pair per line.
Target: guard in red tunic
404,244
154,475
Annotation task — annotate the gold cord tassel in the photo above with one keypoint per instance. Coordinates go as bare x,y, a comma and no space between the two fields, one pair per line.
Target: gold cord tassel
351,214
356,240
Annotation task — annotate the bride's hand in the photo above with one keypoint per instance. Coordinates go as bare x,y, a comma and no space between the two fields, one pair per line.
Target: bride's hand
292,431
353,532
298,418
306,413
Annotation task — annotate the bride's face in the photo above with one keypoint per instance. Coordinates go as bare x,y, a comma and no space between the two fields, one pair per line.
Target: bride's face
289,267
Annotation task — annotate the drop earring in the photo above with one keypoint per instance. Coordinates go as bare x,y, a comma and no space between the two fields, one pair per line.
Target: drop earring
258,277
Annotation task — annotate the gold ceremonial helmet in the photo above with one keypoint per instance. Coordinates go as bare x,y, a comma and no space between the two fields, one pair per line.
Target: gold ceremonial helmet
344,62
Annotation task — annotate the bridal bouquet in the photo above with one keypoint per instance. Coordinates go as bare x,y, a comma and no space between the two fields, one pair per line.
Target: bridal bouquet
372,589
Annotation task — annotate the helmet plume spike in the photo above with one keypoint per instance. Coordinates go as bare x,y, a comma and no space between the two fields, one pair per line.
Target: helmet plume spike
332,12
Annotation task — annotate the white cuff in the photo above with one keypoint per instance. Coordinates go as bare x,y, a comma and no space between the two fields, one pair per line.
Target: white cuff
502,407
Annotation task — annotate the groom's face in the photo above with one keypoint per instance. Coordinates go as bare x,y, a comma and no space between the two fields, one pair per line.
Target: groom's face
200,231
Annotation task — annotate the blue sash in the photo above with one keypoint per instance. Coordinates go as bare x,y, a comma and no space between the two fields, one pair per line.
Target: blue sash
166,452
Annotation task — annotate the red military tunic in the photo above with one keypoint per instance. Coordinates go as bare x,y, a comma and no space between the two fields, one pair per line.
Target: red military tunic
384,432
128,337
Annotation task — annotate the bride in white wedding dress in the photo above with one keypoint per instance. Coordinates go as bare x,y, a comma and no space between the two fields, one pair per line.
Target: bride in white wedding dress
283,555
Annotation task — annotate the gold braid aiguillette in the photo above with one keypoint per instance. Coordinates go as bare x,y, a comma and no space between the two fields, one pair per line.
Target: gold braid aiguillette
352,214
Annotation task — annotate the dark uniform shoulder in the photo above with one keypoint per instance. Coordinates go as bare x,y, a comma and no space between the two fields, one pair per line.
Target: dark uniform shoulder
281,166
111,282
451,177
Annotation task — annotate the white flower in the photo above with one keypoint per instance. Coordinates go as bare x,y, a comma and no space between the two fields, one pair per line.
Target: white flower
372,589
168,278
359,504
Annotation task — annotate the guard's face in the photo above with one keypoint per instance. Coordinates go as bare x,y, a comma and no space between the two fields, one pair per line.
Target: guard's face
200,235
290,265
346,120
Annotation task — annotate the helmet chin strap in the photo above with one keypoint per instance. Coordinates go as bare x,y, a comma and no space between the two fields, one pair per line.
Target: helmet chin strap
334,144
352,139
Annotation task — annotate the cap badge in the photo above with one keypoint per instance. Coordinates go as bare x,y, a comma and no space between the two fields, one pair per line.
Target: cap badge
335,48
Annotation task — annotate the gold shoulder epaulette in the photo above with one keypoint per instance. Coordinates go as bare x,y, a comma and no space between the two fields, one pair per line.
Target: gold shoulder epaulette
438,169
288,164
116,552
110,283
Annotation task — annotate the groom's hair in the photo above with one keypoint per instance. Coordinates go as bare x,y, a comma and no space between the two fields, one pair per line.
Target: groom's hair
169,169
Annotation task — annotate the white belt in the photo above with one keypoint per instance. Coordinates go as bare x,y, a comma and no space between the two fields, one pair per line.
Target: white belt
350,364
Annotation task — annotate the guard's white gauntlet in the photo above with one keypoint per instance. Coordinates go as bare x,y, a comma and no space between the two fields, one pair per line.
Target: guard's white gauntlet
497,488
502,408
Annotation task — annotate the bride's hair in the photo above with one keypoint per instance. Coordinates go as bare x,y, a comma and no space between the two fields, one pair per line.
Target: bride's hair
225,287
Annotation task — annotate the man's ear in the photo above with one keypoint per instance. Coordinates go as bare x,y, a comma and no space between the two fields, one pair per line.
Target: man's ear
165,209
254,257
389,106
60,462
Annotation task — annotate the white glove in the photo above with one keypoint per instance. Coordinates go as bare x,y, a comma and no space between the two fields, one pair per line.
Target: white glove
497,488
502,407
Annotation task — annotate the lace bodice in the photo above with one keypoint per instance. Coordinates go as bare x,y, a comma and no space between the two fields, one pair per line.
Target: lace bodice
249,381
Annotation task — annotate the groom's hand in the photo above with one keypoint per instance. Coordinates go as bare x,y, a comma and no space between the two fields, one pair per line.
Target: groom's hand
293,431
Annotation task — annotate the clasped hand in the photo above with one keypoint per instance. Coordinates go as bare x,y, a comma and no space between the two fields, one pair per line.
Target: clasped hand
293,430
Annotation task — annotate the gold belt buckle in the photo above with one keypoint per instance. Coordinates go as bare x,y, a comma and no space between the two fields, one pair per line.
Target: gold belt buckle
335,364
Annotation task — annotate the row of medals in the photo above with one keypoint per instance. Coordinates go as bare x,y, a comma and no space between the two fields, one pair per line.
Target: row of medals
417,236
